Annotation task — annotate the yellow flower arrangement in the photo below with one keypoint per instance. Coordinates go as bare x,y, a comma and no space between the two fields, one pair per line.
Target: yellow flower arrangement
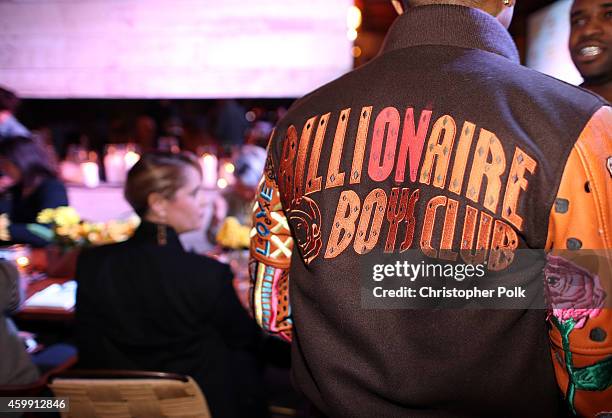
46,216
68,230
66,216
62,216
233,235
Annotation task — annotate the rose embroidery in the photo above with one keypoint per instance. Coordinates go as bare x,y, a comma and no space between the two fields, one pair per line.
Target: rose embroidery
305,217
572,292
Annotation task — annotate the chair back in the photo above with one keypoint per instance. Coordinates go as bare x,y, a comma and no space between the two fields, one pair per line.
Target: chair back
127,394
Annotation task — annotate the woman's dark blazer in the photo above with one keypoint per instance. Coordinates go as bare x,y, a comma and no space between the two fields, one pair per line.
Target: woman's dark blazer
146,306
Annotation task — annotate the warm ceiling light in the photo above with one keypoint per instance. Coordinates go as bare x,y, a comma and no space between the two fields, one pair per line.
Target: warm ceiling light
353,17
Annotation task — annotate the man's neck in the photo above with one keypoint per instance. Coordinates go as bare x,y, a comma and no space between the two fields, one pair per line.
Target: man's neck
492,8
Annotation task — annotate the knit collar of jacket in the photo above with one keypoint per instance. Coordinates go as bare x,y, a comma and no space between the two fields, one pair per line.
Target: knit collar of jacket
450,25
151,232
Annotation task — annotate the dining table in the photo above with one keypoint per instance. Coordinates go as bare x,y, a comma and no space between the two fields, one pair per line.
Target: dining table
34,281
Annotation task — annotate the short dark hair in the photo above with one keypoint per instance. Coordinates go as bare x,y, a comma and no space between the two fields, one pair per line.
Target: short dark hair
157,172
30,158
8,100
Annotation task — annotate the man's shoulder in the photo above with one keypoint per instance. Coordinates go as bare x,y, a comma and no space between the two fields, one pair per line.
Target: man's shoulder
329,92
519,82
472,83
561,93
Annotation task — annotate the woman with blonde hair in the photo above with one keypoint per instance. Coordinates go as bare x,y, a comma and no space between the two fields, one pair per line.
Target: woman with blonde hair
147,304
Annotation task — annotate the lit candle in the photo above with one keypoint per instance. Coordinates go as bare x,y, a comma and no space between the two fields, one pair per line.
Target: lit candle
222,183
22,262
229,168
115,167
130,159
70,172
227,173
210,166
90,174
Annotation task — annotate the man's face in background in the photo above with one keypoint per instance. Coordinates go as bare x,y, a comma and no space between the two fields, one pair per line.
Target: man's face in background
591,39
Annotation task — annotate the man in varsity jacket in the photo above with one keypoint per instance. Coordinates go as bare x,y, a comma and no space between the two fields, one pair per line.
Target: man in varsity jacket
441,145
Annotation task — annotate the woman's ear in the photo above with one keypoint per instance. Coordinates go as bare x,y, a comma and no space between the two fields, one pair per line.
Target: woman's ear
157,206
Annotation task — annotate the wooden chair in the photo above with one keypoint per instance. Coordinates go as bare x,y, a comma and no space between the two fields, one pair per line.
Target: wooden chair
127,394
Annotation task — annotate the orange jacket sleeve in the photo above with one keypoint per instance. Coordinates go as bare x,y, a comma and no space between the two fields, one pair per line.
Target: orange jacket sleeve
580,227
271,248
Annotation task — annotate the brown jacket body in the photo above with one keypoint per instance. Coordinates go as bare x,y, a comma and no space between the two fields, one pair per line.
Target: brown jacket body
442,143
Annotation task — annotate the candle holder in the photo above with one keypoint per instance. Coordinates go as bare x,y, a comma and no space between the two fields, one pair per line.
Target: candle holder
18,254
118,160
210,166
227,171
70,169
90,171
